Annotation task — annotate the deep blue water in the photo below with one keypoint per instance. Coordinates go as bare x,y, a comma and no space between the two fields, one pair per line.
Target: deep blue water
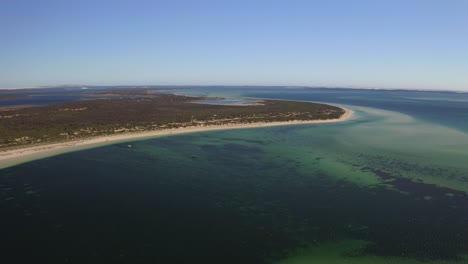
449,109
389,186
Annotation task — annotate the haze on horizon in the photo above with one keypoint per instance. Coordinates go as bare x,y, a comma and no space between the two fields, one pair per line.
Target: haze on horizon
363,43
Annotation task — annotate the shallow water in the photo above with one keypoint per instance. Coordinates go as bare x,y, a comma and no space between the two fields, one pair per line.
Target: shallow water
386,187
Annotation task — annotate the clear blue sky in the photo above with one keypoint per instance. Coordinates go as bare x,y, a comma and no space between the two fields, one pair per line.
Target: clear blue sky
357,43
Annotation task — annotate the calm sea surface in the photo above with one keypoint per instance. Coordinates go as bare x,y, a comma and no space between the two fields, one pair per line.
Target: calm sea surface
389,186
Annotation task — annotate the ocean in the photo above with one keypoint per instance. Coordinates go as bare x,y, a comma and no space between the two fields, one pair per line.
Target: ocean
388,186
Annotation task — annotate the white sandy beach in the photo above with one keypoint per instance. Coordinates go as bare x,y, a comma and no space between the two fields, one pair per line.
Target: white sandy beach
18,156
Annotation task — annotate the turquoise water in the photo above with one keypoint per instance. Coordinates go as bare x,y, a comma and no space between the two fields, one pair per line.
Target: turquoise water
388,186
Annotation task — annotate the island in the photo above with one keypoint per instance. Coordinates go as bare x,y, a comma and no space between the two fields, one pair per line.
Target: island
36,132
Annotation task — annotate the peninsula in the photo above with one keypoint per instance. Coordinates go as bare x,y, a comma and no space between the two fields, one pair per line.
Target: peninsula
37,132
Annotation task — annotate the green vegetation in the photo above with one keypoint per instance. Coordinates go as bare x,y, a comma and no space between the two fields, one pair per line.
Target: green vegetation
12,96
79,120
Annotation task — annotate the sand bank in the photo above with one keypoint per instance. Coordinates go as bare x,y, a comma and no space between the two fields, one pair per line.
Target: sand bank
17,156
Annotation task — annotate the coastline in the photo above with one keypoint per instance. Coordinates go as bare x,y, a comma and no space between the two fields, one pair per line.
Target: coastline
17,156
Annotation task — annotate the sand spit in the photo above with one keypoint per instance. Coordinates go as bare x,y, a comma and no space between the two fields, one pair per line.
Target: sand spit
17,156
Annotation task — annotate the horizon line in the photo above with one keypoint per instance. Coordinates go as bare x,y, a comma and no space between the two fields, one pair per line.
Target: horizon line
223,85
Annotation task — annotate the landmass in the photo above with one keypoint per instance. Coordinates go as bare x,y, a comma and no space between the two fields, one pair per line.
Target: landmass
12,96
29,133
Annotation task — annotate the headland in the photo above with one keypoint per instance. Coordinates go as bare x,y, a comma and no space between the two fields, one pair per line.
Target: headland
39,132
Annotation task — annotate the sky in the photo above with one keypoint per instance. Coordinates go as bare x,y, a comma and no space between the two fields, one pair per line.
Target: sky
413,44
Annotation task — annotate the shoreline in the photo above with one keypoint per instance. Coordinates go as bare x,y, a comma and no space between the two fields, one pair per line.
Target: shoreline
22,155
